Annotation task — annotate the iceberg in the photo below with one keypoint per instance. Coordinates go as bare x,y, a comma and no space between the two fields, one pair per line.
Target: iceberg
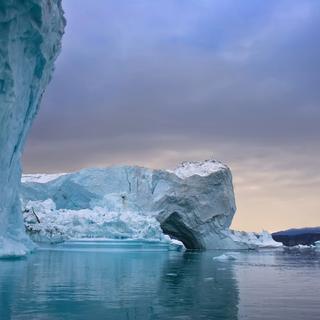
193,204
128,202
31,33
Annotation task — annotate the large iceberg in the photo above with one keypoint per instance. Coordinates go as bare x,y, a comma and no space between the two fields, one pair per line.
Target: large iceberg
194,204
31,32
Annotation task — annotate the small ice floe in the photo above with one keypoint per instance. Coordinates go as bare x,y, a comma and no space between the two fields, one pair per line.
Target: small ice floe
171,274
225,257
300,247
208,279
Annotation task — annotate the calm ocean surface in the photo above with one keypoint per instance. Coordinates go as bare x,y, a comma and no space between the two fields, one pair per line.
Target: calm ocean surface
139,284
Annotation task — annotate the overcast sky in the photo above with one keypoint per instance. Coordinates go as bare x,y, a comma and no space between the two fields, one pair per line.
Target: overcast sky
156,82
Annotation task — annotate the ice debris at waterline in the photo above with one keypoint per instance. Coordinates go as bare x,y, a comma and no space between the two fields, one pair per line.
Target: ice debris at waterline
193,204
111,245
31,32
46,223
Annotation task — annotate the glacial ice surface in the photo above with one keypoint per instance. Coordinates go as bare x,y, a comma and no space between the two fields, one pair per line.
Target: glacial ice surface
31,32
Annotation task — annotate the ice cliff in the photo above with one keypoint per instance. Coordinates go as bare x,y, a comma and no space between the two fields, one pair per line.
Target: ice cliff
30,37
194,204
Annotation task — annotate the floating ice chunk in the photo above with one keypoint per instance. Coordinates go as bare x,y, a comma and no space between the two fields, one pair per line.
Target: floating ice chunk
300,247
13,248
174,242
225,257
208,279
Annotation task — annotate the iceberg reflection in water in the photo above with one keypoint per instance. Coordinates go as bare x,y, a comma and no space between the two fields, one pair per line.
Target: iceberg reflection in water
131,283
117,285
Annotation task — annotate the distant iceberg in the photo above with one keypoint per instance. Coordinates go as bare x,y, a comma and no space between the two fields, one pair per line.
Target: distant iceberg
254,239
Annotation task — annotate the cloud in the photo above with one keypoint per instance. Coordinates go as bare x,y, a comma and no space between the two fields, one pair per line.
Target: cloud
157,82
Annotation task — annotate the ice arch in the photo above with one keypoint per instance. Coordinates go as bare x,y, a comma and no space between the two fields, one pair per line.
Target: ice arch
30,40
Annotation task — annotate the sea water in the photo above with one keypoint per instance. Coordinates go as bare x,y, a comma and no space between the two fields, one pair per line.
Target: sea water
134,282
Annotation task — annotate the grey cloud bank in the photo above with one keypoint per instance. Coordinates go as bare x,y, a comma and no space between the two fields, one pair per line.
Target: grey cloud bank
157,82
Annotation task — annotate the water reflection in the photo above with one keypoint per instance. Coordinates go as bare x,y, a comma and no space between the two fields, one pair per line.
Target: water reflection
118,285
279,284
195,287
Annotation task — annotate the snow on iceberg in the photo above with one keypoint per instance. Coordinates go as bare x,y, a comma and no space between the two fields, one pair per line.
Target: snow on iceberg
40,178
201,168
31,32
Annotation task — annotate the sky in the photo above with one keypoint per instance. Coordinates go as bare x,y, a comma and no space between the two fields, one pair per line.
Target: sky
157,82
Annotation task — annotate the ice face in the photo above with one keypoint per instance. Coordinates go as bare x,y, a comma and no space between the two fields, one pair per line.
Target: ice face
31,32
134,202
